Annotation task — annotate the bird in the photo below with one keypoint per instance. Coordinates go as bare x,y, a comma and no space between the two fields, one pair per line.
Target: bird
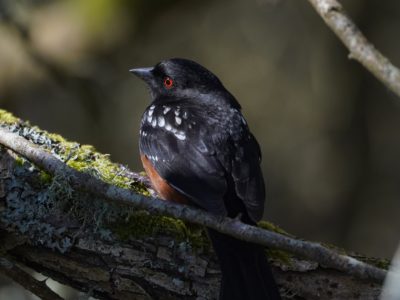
196,147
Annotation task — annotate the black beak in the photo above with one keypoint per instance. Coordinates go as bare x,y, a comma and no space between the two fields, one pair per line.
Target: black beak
144,73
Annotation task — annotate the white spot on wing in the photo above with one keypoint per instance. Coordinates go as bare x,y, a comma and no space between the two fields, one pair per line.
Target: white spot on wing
180,135
185,115
153,157
161,121
168,127
166,109
178,120
151,110
154,122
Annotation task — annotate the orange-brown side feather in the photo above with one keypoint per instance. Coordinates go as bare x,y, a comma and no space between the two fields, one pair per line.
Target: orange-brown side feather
164,190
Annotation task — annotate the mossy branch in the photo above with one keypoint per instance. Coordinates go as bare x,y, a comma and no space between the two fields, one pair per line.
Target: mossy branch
334,15
75,194
233,227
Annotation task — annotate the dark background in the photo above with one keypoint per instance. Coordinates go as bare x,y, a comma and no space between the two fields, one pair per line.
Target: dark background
328,130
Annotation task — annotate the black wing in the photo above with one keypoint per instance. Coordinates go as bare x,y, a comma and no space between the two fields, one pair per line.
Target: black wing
182,155
247,176
202,154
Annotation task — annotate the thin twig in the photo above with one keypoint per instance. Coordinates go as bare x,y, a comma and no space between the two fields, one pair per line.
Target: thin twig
360,48
37,287
88,183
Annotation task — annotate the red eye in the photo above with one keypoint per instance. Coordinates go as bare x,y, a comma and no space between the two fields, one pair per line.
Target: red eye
168,82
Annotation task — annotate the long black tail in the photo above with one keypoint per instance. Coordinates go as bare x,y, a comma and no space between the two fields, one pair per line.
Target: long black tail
246,274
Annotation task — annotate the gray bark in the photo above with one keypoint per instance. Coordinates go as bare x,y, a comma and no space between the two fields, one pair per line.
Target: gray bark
112,251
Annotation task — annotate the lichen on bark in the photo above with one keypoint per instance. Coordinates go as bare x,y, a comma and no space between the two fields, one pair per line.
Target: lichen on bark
56,196
118,252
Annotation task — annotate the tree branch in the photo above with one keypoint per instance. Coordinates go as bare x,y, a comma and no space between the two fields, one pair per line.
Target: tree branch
143,257
90,184
360,48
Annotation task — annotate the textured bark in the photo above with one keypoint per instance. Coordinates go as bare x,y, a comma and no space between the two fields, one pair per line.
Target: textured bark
84,181
75,238
154,270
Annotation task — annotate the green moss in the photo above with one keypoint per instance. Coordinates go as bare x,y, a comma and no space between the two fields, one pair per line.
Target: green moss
380,263
272,227
78,165
285,257
56,137
141,224
276,254
19,161
45,177
6,117
377,262
280,255
84,158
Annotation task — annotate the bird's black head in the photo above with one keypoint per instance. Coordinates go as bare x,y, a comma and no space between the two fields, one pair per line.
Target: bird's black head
179,77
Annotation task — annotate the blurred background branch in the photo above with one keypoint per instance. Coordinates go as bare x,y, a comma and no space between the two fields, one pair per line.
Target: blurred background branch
360,48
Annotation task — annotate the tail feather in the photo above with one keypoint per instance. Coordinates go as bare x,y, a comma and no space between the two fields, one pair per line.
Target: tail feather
246,274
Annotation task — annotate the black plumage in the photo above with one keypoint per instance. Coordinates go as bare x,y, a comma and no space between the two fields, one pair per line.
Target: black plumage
198,141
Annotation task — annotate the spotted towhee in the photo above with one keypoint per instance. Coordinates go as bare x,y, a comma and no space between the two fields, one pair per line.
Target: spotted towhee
197,149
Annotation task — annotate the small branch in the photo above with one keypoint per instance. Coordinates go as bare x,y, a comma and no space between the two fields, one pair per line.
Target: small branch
88,183
39,288
360,48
